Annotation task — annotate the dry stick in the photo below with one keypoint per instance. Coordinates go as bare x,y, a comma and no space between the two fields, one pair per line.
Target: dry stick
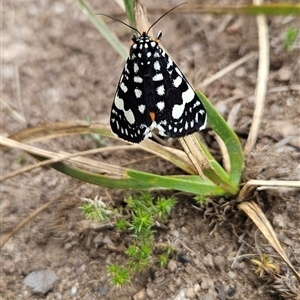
18,90
227,69
195,154
34,214
121,4
264,184
13,113
262,79
16,145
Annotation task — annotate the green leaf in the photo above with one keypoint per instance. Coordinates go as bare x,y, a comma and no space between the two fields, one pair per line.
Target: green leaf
129,12
230,139
185,183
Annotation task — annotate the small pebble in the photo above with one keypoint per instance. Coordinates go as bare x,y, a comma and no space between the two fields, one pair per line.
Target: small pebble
207,283
190,293
231,274
159,279
208,260
208,296
73,291
279,220
171,287
220,262
172,265
176,233
150,293
107,240
197,288
283,75
140,295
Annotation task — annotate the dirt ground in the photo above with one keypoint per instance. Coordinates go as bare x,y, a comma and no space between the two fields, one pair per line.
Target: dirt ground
57,67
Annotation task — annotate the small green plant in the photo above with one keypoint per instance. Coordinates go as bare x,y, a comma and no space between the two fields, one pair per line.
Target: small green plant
163,260
95,209
290,36
118,275
22,159
144,213
200,200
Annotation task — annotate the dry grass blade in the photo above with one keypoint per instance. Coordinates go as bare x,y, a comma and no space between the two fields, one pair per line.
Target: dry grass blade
227,69
195,153
175,156
99,167
264,184
60,129
141,18
14,114
34,214
121,4
262,79
260,220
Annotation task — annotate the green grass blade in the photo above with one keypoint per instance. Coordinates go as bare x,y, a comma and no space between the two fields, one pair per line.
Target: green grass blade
129,12
271,9
188,183
230,139
105,31
125,183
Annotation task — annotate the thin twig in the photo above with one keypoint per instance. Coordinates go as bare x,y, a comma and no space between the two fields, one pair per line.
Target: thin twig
56,157
227,69
13,113
262,79
35,213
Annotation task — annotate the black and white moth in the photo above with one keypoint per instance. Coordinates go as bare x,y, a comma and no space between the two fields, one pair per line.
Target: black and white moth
153,93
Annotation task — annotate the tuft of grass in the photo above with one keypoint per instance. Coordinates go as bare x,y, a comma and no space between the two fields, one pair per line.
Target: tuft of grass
144,212
290,36
118,275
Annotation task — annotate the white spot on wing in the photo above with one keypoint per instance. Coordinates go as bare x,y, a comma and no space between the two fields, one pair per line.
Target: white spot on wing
119,103
188,95
142,108
177,81
129,116
161,90
138,93
156,65
158,77
137,79
123,87
170,63
135,68
177,110
160,105
156,54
